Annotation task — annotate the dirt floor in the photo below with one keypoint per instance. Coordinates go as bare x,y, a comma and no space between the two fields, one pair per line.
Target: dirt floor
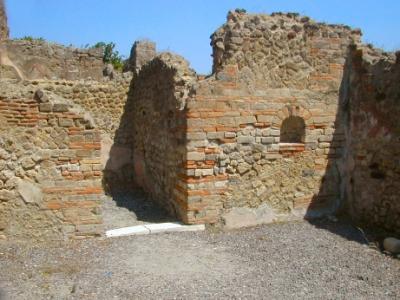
324,260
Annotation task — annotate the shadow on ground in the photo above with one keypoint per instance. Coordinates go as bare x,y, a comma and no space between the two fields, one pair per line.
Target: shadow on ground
126,204
344,179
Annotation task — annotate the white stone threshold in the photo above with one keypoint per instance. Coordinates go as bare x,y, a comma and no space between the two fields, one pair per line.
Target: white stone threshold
153,228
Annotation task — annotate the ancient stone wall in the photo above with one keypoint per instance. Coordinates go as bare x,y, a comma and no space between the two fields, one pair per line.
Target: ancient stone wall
370,110
141,53
4,32
50,167
261,137
158,99
282,50
43,60
105,100
236,157
261,130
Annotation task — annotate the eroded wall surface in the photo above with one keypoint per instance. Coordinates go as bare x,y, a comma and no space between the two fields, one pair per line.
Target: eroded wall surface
43,60
270,72
158,134
371,110
4,32
50,166
105,99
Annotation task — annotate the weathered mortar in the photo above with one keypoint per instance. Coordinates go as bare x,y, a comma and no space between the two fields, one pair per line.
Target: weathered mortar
44,60
268,71
158,98
265,138
260,140
105,100
282,50
50,167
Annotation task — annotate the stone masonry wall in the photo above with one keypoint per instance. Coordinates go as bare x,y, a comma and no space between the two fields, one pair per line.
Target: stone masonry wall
371,108
104,100
236,158
4,33
50,170
270,72
43,60
282,50
262,142
158,99
142,52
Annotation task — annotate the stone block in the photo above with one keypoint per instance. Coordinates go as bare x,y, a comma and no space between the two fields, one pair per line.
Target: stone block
245,139
215,135
196,156
27,163
62,122
196,136
30,192
267,140
207,172
90,229
6,195
392,245
265,118
324,145
275,132
325,138
245,120
60,107
45,107
229,135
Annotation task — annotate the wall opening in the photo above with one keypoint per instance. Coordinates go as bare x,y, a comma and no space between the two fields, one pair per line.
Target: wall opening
293,130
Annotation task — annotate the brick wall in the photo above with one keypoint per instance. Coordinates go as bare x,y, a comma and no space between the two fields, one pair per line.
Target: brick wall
158,98
269,72
104,100
236,158
50,169
282,50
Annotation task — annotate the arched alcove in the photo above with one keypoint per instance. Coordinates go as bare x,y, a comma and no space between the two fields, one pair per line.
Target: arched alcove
293,130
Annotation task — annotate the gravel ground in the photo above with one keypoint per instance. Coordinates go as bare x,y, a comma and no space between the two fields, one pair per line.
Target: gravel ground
130,209
299,260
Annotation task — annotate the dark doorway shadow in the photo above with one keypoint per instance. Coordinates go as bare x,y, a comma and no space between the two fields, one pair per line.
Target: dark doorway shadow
349,172
126,203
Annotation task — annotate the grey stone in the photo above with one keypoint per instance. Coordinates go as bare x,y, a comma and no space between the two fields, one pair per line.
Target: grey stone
392,245
45,107
245,140
29,192
60,107
6,195
41,97
196,156
65,122
27,163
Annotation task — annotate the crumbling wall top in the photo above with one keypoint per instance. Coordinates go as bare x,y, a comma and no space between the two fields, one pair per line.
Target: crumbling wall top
177,68
4,32
280,50
142,52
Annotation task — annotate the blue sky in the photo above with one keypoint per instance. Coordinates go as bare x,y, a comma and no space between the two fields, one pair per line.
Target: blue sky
184,26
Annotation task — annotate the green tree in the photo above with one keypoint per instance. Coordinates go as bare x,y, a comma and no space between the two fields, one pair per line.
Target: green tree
110,55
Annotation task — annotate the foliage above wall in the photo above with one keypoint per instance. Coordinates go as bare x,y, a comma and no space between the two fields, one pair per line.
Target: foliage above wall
110,55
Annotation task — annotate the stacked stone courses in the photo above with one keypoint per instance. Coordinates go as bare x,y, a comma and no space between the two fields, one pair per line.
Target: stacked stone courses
273,77
234,157
50,167
297,120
